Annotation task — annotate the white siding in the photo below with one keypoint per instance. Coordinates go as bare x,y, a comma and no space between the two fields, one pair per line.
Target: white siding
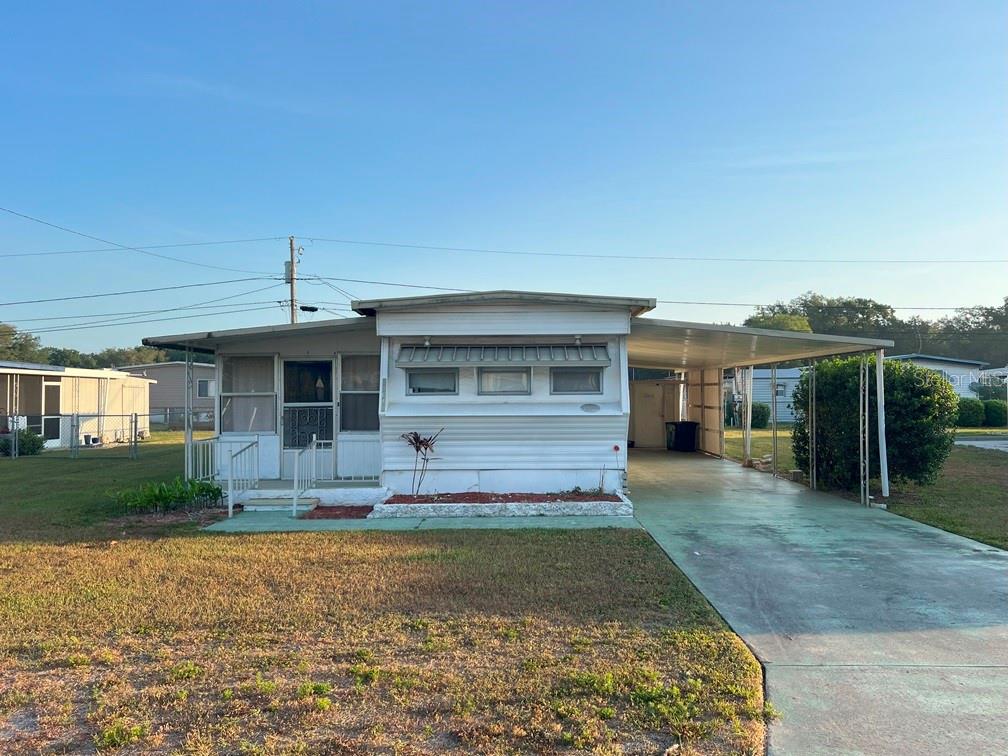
509,453
956,373
538,442
503,320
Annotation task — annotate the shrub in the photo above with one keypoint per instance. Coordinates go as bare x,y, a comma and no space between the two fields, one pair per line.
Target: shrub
921,411
760,415
995,413
168,497
30,443
971,412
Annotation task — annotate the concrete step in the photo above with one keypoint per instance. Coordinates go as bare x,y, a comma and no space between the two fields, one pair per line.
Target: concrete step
278,504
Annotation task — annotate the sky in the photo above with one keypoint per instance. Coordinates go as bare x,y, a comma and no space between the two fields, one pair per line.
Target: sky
810,131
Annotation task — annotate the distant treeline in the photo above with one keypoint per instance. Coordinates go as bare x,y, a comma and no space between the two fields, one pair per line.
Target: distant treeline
972,333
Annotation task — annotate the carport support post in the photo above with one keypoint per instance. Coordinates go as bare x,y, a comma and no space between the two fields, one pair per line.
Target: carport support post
773,413
883,454
747,377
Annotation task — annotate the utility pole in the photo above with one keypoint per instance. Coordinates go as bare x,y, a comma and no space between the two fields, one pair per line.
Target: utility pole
292,279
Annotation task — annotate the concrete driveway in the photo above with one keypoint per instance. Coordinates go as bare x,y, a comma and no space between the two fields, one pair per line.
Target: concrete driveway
877,634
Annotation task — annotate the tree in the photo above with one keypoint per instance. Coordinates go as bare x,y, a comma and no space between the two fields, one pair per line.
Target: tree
19,346
921,413
779,321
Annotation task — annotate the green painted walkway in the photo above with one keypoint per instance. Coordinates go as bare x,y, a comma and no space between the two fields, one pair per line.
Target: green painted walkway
878,634
275,522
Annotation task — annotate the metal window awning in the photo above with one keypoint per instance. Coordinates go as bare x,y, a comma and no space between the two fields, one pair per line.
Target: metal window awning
502,355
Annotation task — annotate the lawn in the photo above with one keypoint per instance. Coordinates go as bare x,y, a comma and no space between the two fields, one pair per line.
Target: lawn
970,497
122,634
762,444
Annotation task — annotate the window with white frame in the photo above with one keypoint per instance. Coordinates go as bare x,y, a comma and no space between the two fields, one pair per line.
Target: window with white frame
206,388
505,380
248,395
432,381
780,389
359,392
576,380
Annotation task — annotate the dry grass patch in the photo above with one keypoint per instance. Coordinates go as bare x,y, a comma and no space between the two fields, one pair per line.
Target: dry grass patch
487,641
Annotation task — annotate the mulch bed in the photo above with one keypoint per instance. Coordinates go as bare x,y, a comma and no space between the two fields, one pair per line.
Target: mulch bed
337,513
486,497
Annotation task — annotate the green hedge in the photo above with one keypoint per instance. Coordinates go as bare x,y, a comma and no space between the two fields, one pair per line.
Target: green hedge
30,443
760,415
921,413
995,413
971,413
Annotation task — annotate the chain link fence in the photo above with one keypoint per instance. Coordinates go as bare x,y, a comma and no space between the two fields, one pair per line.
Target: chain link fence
92,436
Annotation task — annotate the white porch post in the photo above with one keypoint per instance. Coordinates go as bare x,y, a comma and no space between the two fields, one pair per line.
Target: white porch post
187,419
880,396
747,379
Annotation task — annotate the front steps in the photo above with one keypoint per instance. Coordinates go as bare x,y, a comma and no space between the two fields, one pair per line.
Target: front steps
276,504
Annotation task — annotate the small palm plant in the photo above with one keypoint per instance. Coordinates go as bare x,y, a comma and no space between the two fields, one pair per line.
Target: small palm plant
423,448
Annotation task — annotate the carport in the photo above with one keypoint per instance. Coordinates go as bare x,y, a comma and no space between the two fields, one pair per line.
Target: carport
696,356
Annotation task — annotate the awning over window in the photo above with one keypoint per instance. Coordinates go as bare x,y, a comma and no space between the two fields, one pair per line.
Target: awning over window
506,355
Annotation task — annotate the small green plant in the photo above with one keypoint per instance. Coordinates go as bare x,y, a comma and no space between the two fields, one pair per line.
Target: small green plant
169,496
118,734
364,674
186,670
263,686
605,712
323,703
309,689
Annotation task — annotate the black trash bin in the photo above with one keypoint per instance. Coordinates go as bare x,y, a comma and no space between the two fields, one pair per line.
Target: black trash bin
681,436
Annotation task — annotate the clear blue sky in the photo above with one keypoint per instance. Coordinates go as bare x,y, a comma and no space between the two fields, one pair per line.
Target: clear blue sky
813,130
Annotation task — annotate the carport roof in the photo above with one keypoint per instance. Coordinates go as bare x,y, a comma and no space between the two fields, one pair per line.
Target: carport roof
675,345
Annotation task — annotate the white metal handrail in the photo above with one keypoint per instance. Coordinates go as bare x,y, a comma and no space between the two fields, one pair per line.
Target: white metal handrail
203,459
304,472
243,472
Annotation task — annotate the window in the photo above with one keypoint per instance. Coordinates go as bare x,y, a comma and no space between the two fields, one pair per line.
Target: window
205,388
248,395
576,380
308,382
428,381
359,392
505,380
779,389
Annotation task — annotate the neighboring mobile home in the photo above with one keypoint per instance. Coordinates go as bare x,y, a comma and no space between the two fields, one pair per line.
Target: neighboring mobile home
167,392
49,399
962,374
532,390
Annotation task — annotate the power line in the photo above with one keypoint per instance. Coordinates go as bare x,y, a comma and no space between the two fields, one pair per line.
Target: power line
141,246
152,320
675,258
132,291
124,246
384,283
199,305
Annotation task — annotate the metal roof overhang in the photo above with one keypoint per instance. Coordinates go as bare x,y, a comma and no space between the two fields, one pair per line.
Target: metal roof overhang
509,355
206,342
677,345
636,305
